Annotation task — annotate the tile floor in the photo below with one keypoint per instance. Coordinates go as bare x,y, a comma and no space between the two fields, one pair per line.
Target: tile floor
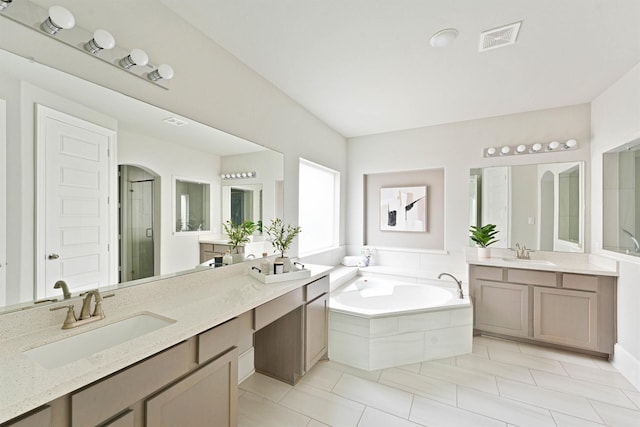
502,383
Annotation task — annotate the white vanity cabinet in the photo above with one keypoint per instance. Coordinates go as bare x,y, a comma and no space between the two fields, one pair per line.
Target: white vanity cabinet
566,309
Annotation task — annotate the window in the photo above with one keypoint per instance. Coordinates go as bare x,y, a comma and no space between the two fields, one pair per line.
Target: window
319,208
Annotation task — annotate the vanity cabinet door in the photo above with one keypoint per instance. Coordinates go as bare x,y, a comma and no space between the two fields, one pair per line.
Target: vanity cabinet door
502,308
206,397
316,330
566,317
37,418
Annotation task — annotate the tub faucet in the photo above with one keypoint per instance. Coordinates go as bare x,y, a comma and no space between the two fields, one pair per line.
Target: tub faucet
633,238
458,282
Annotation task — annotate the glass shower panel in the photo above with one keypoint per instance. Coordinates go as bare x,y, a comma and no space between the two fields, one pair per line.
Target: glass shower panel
140,229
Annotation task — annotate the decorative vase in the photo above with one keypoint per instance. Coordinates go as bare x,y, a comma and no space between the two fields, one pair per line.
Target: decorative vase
237,258
286,261
484,252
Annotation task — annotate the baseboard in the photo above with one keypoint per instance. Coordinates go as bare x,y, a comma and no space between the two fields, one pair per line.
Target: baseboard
246,365
627,364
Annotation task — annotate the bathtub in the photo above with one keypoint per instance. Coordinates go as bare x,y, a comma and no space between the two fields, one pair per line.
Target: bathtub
377,323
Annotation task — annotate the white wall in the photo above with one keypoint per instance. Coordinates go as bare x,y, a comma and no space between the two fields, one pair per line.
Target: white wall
170,160
210,85
615,120
457,148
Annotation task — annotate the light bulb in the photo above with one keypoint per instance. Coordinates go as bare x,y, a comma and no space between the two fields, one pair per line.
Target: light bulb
491,151
59,19
570,144
521,148
135,57
250,174
164,71
553,145
505,150
4,4
536,147
102,39
244,174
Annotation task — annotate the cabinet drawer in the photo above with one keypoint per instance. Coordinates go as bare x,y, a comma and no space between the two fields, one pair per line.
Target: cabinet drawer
488,273
272,310
531,277
206,247
217,340
102,400
317,288
38,417
580,281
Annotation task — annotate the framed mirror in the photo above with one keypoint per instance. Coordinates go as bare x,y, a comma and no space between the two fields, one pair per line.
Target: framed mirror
621,199
541,205
151,147
242,203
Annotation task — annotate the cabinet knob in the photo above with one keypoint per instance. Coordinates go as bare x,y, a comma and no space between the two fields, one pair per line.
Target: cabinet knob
53,256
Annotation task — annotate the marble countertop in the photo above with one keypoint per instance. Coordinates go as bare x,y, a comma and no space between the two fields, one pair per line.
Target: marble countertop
565,263
196,302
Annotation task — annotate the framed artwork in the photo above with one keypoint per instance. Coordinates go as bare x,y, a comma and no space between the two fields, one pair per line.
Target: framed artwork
403,209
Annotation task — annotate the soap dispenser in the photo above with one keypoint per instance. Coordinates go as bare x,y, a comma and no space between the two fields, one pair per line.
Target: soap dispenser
265,264
227,259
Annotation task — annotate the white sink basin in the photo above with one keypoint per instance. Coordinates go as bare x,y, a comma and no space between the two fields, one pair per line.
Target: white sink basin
67,350
528,261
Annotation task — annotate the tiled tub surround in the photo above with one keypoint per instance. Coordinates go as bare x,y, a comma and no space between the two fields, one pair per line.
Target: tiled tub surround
371,338
197,302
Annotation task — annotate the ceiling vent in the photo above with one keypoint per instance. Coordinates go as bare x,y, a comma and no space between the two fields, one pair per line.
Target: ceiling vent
499,37
175,121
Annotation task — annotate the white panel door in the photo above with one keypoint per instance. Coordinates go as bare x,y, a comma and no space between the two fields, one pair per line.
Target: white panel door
75,181
496,202
3,203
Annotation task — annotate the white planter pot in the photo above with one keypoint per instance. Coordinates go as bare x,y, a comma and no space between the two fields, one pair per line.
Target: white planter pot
484,252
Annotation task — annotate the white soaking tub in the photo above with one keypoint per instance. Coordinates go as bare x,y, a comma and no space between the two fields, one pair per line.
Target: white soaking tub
377,323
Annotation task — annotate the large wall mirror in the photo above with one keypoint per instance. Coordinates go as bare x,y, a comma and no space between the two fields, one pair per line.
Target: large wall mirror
102,189
621,199
540,206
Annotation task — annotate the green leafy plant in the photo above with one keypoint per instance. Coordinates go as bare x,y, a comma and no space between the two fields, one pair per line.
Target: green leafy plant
484,236
239,233
281,235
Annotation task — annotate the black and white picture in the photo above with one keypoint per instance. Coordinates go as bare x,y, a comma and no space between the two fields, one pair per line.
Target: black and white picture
403,209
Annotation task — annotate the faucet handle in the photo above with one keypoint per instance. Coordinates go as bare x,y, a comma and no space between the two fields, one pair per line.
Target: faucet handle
71,315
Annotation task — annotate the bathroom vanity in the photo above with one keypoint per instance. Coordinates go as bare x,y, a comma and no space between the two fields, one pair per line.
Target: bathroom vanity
185,373
563,304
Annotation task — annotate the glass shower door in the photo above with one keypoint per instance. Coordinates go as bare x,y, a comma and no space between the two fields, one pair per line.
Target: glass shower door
140,233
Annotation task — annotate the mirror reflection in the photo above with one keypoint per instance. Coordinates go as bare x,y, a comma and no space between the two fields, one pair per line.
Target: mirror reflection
621,199
540,206
106,189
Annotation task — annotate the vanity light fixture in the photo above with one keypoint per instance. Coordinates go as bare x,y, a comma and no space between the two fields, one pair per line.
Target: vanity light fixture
535,148
443,38
164,71
135,57
102,39
59,19
238,175
4,4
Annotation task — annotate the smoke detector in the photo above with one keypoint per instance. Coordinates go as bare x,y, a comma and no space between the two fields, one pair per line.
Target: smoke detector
499,37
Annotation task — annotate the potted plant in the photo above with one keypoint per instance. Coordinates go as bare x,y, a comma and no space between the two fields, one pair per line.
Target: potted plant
484,236
281,235
238,235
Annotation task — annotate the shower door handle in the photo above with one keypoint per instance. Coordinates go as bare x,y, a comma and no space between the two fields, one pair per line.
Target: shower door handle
149,232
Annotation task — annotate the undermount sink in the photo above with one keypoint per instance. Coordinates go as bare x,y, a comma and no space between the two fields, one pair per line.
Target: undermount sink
528,261
85,344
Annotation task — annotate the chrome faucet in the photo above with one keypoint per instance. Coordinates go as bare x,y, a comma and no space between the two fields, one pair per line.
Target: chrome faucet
458,282
71,321
65,289
522,253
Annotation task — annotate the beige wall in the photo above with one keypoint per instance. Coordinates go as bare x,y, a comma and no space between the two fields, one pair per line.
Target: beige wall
615,120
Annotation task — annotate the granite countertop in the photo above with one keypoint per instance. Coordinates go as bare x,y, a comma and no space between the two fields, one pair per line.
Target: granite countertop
565,263
196,302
